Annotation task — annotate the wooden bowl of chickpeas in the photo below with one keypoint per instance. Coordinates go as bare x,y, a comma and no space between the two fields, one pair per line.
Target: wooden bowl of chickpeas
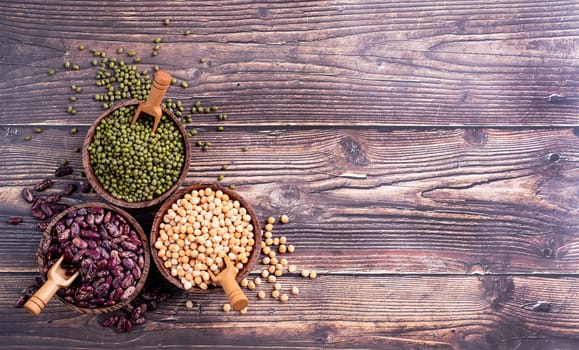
196,228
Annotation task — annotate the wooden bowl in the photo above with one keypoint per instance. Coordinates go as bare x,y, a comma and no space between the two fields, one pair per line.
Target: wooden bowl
180,194
47,237
92,179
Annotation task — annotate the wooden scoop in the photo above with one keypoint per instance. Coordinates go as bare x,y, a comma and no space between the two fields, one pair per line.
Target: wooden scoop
56,278
152,106
226,279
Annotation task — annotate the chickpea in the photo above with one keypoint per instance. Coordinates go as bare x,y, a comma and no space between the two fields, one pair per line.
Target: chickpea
277,286
261,294
271,279
251,285
295,290
275,294
270,220
290,248
283,298
313,274
282,248
268,228
244,282
284,219
226,307
305,273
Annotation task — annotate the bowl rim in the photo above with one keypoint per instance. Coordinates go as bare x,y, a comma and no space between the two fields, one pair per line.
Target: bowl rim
255,253
96,185
134,224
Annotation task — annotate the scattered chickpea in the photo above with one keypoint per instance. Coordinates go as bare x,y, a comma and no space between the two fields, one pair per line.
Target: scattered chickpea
265,273
282,248
270,220
290,248
283,261
273,261
282,240
257,281
295,290
244,282
267,234
292,268
243,311
313,275
276,241
226,307
251,285
283,298
272,254
268,227
271,279
189,304
268,241
275,294
266,260
261,294
305,273
277,286
271,269
284,219
278,273
266,250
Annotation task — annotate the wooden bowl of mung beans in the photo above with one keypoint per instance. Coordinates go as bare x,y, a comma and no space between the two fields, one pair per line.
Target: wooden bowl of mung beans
129,165
194,230
109,249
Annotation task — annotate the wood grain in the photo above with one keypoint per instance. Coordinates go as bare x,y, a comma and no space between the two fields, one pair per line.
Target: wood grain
485,312
426,152
465,63
395,201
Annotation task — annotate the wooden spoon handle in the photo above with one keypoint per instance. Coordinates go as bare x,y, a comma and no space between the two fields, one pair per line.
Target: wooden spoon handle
38,301
235,295
161,83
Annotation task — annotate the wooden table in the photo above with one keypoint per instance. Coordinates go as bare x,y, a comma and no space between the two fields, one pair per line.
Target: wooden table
426,152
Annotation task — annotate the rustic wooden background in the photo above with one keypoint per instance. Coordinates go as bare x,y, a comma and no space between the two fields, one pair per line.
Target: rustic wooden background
427,153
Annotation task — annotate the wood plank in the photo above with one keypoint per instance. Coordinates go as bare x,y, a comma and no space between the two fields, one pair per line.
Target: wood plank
465,63
370,200
345,311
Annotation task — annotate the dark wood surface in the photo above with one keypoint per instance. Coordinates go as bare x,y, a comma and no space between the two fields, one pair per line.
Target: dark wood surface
426,152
